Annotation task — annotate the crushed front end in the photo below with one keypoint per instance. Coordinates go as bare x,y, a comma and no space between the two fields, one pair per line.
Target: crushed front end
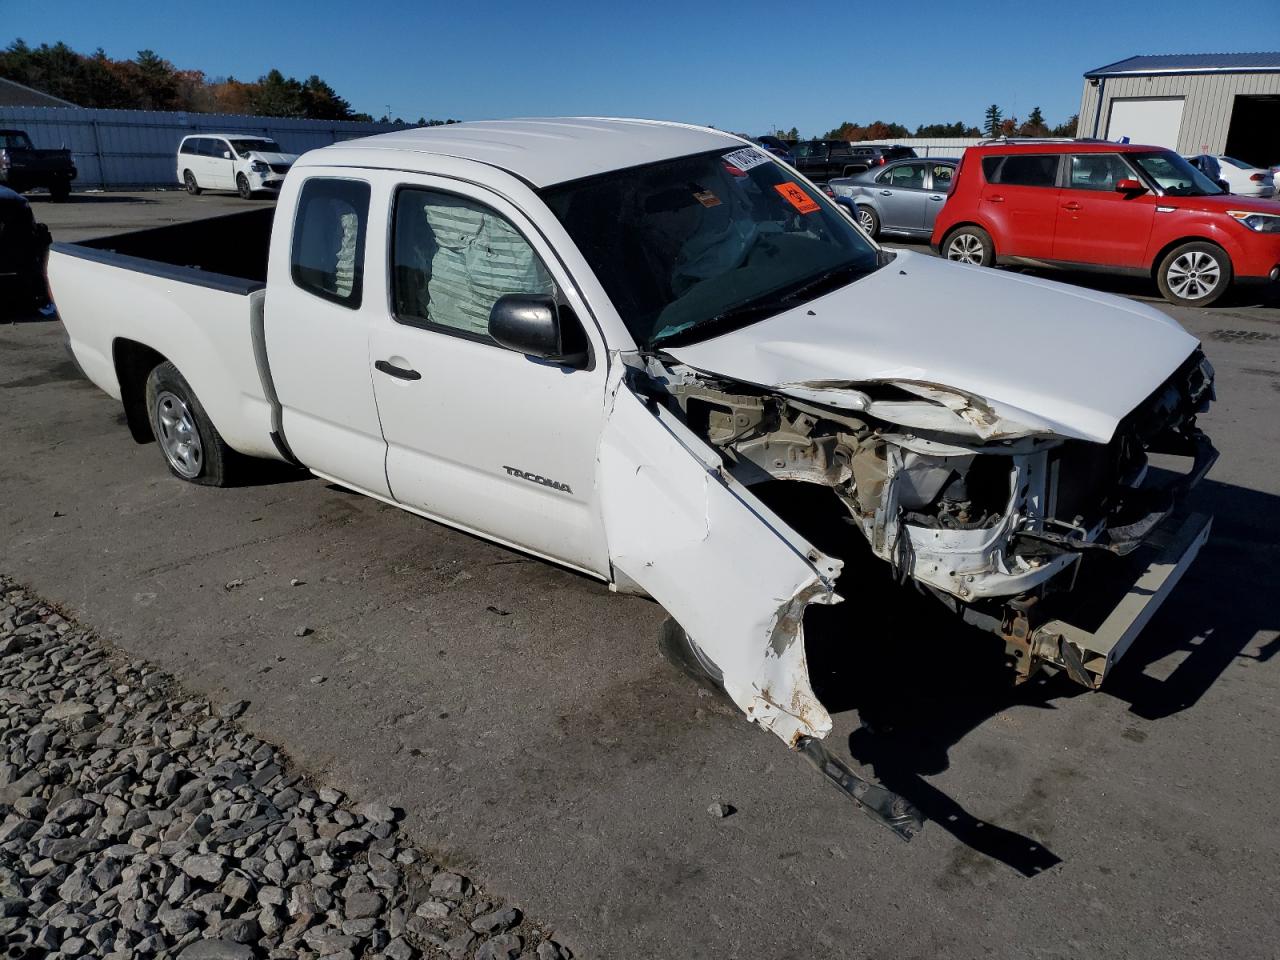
1061,546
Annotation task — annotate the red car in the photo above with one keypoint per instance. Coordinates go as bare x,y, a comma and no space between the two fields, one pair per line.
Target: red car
1118,208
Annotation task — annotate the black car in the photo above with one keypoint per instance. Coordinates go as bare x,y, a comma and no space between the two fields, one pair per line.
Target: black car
820,160
24,245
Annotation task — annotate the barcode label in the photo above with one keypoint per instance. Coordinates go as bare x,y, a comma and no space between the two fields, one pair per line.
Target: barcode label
746,158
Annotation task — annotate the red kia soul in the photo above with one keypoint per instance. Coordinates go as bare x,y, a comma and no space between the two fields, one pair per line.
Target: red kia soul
1119,208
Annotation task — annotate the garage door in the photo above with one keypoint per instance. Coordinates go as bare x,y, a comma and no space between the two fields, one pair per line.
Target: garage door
1150,120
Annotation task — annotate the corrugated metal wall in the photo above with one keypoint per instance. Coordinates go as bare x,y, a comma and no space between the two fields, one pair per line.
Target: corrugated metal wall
139,148
1206,114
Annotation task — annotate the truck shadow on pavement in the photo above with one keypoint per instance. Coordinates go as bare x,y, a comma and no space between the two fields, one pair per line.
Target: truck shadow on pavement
921,682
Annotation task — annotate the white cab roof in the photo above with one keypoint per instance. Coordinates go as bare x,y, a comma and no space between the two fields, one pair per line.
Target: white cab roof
541,151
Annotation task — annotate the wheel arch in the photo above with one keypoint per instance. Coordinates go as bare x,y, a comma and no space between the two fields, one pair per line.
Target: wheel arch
1192,238
942,242
133,363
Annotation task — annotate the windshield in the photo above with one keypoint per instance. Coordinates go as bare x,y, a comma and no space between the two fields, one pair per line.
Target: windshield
1174,175
693,247
241,147
14,141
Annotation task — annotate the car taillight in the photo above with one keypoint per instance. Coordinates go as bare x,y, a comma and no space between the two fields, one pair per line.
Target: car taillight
1257,178
5,162
880,161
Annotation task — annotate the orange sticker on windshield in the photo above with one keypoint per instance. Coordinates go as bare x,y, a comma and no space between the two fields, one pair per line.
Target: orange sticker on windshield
796,197
707,198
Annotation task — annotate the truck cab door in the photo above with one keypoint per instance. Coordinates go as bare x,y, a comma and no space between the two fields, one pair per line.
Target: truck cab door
478,435
317,331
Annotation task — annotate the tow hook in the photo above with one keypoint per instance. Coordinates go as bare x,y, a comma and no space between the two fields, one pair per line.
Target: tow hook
883,806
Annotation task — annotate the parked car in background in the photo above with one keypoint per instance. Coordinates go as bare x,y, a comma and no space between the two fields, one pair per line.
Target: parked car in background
876,155
902,197
777,146
1208,164
23,167
23,246
1245,179
229,161
1118,208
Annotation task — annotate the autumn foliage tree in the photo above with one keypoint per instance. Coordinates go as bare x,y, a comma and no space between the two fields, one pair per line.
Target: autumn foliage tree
149,82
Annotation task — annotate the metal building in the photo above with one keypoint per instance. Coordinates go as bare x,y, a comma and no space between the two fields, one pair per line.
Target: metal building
139,148
1218,103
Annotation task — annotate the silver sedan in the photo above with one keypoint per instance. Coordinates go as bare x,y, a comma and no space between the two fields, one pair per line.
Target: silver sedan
902,197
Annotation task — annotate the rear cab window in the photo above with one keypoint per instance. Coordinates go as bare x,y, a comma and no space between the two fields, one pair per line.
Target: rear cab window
1022,169
327,257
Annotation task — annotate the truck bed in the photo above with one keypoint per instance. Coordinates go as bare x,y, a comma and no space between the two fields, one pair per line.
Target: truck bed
227,252
193,293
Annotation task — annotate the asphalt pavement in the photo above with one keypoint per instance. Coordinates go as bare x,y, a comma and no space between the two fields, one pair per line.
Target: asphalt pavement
523,718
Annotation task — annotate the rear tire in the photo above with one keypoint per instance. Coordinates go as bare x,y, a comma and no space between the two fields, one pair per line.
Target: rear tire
970,245
60,191
242,187
193,449
189,179
1194,274
867,220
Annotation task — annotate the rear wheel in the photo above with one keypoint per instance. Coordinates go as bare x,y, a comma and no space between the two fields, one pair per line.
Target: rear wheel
189,179
868,221
242,187
1194,274
970,245
191,444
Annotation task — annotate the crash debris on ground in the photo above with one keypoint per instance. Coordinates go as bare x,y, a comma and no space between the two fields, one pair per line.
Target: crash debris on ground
137,821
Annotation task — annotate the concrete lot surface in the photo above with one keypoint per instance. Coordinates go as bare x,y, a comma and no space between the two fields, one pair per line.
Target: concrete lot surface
522,716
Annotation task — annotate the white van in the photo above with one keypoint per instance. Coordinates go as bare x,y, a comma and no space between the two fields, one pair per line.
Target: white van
232,161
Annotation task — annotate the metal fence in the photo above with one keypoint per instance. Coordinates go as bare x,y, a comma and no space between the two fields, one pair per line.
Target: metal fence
138,148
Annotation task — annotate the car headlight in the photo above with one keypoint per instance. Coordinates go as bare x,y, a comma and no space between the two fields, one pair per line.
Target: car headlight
1257,222
259,167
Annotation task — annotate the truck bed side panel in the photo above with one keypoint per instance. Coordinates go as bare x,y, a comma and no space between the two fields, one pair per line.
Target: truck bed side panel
204,329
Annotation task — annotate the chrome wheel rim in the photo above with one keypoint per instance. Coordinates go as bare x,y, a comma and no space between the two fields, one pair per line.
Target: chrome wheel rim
1193,275
179,438
866,220
965,248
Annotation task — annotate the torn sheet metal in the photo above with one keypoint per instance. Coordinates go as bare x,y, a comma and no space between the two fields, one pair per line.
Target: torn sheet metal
730,572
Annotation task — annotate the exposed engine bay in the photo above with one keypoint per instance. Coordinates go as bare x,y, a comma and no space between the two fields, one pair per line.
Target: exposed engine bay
987,515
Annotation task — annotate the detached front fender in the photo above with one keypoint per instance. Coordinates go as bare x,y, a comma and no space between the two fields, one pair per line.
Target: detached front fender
728,569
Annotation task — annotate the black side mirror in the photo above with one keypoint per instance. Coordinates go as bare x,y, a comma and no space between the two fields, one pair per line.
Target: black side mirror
535,325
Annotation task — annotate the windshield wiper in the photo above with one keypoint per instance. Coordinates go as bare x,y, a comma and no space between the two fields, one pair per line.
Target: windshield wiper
824,278
726,319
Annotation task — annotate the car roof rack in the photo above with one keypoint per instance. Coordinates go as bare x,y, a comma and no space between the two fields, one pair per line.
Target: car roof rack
1016,140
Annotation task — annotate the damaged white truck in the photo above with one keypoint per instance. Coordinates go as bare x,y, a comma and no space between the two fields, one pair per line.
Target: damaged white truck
623,345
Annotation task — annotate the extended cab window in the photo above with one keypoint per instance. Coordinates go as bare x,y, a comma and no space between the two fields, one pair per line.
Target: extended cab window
328,239
1022,170
1098,171
452,258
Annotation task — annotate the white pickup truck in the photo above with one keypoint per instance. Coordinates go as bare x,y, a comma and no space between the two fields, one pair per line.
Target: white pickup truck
636,349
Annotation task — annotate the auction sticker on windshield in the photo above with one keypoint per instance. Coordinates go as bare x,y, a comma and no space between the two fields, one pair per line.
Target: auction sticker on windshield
746,158
796,197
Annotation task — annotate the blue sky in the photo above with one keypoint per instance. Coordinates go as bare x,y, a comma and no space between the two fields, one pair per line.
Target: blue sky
744,66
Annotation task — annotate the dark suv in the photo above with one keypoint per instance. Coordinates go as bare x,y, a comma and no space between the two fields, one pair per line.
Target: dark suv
23,246
820,160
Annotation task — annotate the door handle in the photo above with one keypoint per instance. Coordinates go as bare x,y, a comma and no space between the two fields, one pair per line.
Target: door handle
996,198
886,193
400,373
1071,206
937,196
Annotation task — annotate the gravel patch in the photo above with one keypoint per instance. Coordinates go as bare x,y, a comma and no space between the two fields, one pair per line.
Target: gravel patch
137,821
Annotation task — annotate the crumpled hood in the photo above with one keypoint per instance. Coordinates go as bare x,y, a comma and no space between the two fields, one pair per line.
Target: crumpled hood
278,158
1038,356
